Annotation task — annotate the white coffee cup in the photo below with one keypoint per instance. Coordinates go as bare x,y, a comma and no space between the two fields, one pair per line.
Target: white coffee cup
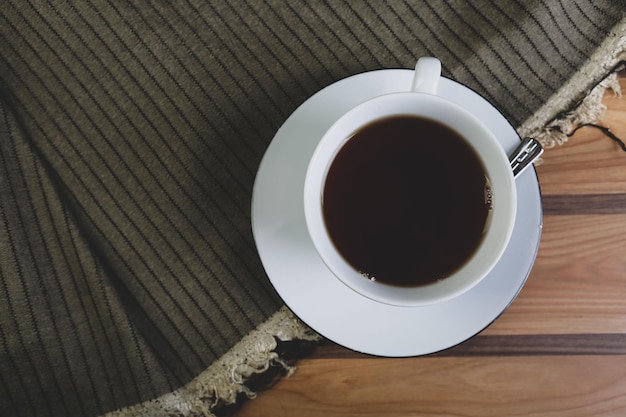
421,101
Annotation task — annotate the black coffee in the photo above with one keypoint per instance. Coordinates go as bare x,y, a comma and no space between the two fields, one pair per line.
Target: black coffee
405,202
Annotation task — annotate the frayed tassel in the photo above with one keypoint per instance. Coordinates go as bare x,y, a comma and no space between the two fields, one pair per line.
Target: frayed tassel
223,382
549,125
588,112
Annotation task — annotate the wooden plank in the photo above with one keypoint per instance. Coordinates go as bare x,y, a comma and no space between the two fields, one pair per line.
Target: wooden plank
584,204
555,386
549,344
578,284
506,345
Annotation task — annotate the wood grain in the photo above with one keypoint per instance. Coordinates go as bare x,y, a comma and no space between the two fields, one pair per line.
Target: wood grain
560,348
578,283
468,386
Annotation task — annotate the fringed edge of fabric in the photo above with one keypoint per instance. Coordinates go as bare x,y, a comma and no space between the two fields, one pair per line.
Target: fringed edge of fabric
582,94
224,381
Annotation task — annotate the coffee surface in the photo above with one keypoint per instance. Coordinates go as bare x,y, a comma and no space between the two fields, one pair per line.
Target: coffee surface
404,201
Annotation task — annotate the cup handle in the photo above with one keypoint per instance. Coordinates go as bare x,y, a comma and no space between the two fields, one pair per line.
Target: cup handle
427,74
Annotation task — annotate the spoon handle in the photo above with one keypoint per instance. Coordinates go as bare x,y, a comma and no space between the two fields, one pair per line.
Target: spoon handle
526,153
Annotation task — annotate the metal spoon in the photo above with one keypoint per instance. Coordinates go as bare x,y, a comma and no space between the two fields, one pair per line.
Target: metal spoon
525,154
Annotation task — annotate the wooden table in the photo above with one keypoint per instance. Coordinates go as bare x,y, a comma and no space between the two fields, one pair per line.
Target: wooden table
560,348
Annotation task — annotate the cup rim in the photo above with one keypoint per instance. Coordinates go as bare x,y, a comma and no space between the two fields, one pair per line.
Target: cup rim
498,170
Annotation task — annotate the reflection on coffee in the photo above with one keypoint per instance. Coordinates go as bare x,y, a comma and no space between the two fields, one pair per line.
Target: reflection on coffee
405,201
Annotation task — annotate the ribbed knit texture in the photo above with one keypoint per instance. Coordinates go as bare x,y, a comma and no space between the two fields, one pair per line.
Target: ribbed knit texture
130,135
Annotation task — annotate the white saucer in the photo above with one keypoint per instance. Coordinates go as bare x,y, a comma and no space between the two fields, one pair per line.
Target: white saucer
321,300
